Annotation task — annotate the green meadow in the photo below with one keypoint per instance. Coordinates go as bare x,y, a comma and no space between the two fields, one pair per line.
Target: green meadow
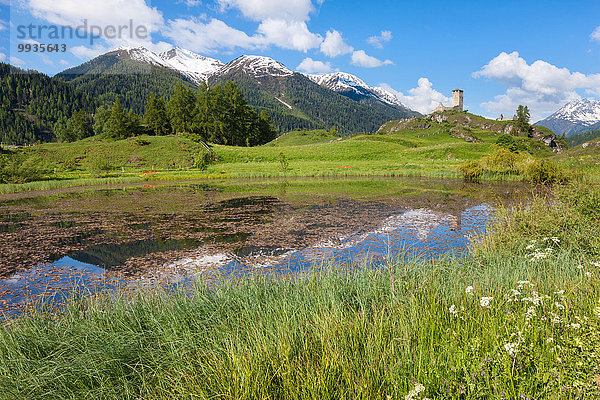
432,152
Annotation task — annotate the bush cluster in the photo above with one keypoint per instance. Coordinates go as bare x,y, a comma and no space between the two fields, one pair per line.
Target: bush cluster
506,162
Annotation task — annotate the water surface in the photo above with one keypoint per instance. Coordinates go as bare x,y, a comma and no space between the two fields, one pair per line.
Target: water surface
77,242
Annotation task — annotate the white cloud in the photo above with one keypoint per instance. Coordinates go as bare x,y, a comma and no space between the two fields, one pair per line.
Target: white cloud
541,86
596,34
423,98
16,61
334,45
362,59
260,10
311,66
191,3
292,35
64,63
46,60
3,25
101,15
30,41
86,53
199,36
2,57
378,41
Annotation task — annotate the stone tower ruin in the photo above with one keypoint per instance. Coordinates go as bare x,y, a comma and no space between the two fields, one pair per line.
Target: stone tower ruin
457,99
457,103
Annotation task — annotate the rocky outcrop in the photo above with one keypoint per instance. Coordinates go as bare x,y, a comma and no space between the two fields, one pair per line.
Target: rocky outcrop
461,125
591,145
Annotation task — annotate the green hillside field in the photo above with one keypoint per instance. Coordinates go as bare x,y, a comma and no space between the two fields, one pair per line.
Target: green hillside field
434,152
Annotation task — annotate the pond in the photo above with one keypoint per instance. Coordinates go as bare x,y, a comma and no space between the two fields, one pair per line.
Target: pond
66,242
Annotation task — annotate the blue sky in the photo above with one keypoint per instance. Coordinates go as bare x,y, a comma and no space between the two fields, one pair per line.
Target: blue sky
501,53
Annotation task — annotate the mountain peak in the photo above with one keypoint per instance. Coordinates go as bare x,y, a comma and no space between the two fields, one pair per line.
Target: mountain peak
584,111
574,117
257,66
353,87
141,54
198,68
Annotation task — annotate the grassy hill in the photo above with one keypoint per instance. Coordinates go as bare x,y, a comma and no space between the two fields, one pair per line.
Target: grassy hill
416,149
411,147
304,137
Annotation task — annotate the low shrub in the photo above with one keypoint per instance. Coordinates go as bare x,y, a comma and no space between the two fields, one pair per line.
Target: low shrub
138,141
203,160
471,170
543,172
97,164
502,161
17,168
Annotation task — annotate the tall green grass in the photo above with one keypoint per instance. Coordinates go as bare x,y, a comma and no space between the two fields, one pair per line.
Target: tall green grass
519,317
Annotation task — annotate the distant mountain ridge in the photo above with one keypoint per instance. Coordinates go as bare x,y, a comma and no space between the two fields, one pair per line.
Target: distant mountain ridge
294,100
579,116
353,87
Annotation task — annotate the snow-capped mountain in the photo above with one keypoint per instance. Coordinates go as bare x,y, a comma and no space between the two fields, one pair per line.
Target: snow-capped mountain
194,66
198,68
578,116
256,67
353,87
140,54
293,100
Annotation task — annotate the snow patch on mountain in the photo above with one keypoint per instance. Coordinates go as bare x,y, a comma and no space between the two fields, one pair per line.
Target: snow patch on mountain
257,66
585,112
193,65
576,117
143,55
342,82
196,67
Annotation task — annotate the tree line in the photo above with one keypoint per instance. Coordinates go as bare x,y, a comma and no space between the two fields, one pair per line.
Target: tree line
31,103
218,115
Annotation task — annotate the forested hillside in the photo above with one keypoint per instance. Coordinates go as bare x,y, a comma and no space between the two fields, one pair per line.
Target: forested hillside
581,138
32,103
312,106
110,77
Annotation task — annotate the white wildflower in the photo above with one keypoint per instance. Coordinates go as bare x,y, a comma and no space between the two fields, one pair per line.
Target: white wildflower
596,264
538,255
469,290
597,311
580,266
575,326
530,313
453,310
559,306
515,292
588,274
486,302
555,239
521,284
511,348
556,319
530,246
550,340
415,392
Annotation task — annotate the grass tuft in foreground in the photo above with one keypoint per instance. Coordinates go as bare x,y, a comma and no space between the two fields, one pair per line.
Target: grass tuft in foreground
517,318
